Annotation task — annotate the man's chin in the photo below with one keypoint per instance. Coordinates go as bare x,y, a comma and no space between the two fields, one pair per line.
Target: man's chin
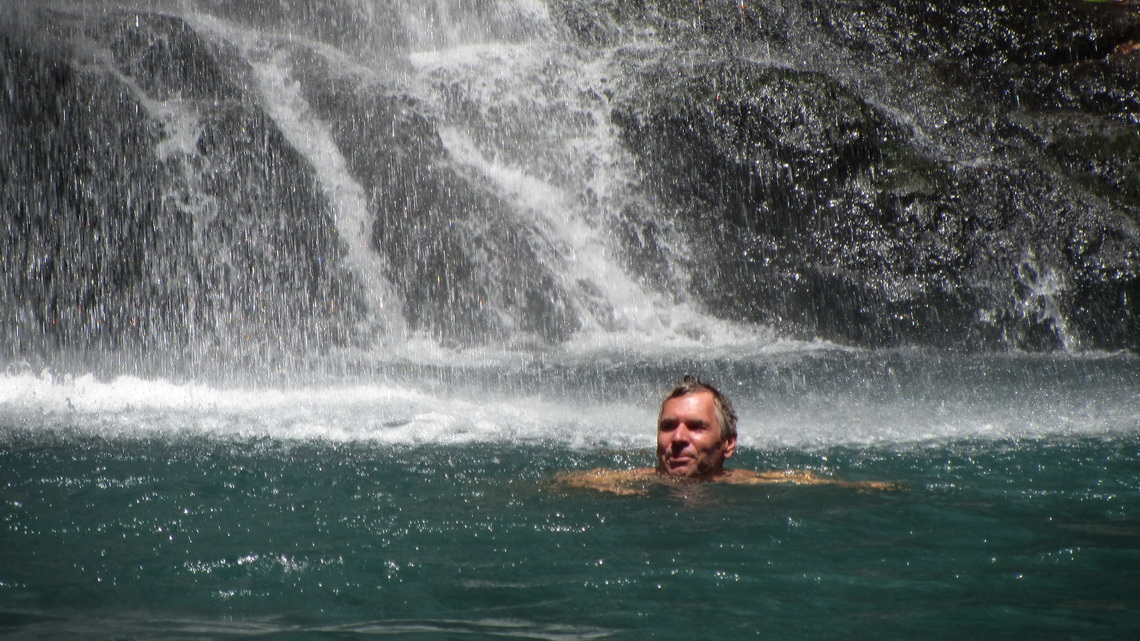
687,470
682,470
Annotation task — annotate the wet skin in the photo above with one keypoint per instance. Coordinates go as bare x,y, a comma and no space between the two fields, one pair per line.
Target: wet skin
689,439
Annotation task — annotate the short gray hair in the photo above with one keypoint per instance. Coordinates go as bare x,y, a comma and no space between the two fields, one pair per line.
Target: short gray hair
725,415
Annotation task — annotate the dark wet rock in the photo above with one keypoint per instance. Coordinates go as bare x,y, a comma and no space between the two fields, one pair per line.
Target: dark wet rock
968,34
733,135
682,24
166,58
152,206
74,246
823,213
1109,157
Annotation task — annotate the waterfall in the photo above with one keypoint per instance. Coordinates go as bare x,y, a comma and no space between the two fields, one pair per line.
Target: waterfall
251,185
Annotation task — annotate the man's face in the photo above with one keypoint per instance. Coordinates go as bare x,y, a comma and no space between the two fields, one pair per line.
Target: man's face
689,441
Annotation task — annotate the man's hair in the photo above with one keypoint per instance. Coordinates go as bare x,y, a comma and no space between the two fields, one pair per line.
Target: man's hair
725,415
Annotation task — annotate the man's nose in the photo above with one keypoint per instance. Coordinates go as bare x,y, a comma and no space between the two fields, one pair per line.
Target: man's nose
681,434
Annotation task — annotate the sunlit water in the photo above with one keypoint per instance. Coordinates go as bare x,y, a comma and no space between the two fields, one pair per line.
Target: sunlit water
423,504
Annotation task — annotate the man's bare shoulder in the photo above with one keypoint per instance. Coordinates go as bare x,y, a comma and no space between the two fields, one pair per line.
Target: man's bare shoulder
637,481
801,477
632,481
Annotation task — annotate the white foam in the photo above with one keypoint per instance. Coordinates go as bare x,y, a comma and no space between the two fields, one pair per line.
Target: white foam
400,415
386,413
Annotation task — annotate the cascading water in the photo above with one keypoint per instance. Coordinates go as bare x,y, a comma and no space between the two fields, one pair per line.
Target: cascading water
305,305
521,174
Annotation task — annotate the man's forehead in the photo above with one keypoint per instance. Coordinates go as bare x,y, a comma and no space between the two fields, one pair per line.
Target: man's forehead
697,393
702,399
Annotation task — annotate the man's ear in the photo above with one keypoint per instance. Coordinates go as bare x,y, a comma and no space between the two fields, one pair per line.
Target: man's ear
729,446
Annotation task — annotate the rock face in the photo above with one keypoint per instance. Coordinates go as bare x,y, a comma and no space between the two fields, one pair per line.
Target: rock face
968,178
151,204
445,236
951,174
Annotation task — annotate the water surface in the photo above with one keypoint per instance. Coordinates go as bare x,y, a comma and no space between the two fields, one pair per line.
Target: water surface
154,510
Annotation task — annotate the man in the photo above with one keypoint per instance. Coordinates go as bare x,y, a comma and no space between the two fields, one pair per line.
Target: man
696,432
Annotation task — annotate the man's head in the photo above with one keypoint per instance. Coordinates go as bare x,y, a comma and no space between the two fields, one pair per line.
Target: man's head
696,431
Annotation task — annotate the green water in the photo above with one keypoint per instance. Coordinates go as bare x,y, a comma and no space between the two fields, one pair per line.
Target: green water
200,537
